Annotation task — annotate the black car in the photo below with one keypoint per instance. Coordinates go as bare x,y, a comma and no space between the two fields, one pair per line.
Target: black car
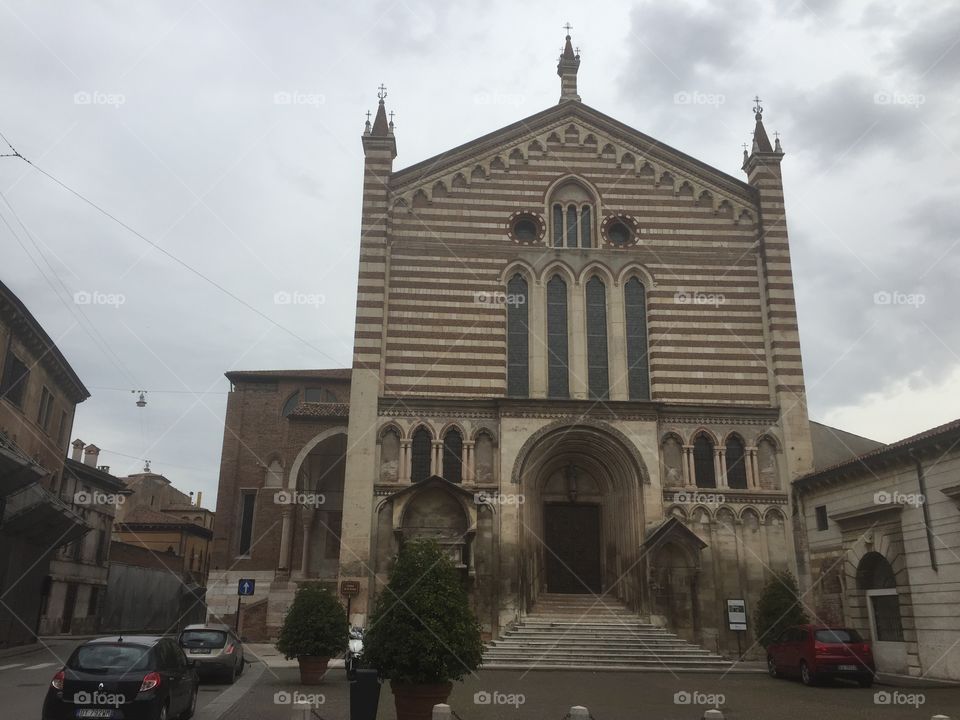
133,677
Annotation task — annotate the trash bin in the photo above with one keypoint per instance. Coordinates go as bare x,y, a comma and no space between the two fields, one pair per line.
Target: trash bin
364,695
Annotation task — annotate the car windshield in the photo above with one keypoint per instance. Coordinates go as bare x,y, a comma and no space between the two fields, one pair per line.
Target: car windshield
110,658
838,635
203,638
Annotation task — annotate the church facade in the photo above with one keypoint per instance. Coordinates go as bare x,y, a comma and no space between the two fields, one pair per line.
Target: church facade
576,366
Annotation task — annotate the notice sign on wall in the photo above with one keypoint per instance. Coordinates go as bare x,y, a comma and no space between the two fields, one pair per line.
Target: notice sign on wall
737,614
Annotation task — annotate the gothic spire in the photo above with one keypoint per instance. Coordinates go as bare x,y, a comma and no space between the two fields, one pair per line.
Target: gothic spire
567,68
761,143
381,128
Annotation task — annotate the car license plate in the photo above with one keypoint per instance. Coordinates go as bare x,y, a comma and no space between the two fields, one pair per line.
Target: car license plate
95,713
200,651
847,667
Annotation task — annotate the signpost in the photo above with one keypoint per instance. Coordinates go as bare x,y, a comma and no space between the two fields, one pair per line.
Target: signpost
349,589
737,619
245,588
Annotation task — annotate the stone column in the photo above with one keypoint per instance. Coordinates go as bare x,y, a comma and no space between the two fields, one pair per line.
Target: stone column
469,471
537,317
753,477
721,458
689,473
717,467
403,472
283,562
436,458
306,521
577,343
617,344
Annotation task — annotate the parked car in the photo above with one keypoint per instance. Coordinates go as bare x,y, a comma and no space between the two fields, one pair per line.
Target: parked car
215,648
134,677
819,652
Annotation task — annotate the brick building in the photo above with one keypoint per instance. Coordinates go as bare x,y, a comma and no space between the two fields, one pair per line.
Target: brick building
576,365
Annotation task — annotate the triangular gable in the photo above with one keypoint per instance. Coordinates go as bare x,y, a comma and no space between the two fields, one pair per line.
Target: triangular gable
672,529
624,139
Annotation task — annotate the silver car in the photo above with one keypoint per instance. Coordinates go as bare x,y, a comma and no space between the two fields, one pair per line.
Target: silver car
215,650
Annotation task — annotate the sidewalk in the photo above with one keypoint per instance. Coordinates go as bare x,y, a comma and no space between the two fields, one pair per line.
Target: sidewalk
272,658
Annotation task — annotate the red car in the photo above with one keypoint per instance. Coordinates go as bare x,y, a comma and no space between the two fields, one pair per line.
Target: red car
818,652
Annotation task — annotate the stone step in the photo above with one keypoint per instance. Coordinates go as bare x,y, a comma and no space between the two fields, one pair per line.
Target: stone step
596,647
532,662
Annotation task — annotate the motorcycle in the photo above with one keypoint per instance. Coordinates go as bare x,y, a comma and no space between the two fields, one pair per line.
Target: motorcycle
354,652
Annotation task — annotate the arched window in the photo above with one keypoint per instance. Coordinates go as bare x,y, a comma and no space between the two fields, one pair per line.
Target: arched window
736,464
597,368
420,449
290,404
572,215
557,226
586,231
572,228
518,338
558,384
703,466
638,364
876,577
453,456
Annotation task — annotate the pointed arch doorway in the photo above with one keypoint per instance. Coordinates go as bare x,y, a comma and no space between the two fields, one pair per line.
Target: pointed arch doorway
582,513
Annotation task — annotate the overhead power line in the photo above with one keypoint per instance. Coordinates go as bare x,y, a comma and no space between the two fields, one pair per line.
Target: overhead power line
151,243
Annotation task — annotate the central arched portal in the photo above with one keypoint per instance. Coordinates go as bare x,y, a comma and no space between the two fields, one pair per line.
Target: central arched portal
582,514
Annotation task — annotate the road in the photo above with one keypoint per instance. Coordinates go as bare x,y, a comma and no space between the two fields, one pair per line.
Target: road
265,693
24,679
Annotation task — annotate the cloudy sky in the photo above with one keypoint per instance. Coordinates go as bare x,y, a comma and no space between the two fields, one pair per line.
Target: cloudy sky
228,134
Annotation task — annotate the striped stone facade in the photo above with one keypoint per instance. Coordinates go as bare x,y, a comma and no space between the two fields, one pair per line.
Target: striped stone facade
681,480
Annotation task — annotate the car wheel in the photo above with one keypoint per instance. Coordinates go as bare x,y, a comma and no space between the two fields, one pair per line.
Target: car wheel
807,677
163,712
232,674
243,664
772,668
192,708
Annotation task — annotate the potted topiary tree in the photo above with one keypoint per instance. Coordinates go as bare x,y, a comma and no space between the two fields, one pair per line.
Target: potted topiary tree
422,633
313,631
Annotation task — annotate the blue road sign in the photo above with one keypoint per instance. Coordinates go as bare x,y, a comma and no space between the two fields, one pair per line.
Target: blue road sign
246,586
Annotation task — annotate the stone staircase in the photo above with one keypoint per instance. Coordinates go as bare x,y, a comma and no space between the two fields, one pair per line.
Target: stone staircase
578,632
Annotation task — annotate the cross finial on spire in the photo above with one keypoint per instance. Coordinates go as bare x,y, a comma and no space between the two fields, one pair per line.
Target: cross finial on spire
776,134
382,91
757,108
568,27
368,116
744,147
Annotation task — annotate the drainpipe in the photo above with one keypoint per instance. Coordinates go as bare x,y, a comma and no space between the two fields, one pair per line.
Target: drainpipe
922,485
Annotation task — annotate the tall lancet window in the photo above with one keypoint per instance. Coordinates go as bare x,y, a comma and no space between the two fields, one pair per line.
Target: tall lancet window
558,382
420,449
518,338
572,215
453,456
638,364
597,369
736,464
704,470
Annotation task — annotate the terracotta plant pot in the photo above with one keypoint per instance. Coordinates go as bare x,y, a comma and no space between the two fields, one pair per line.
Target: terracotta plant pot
415,702
312,669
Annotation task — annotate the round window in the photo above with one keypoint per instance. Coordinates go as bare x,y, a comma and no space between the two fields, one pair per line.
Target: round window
618,233
525,229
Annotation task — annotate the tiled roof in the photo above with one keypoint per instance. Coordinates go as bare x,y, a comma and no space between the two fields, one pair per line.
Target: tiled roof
321,409
886,451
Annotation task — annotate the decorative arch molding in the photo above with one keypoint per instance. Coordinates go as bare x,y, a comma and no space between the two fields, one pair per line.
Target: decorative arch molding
634,269
595,268
484,430
518,266
672,433
747,511
772,439
774,514
307,448
568,274
734,434
703,430
586,185
626,444
390,426
452,425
